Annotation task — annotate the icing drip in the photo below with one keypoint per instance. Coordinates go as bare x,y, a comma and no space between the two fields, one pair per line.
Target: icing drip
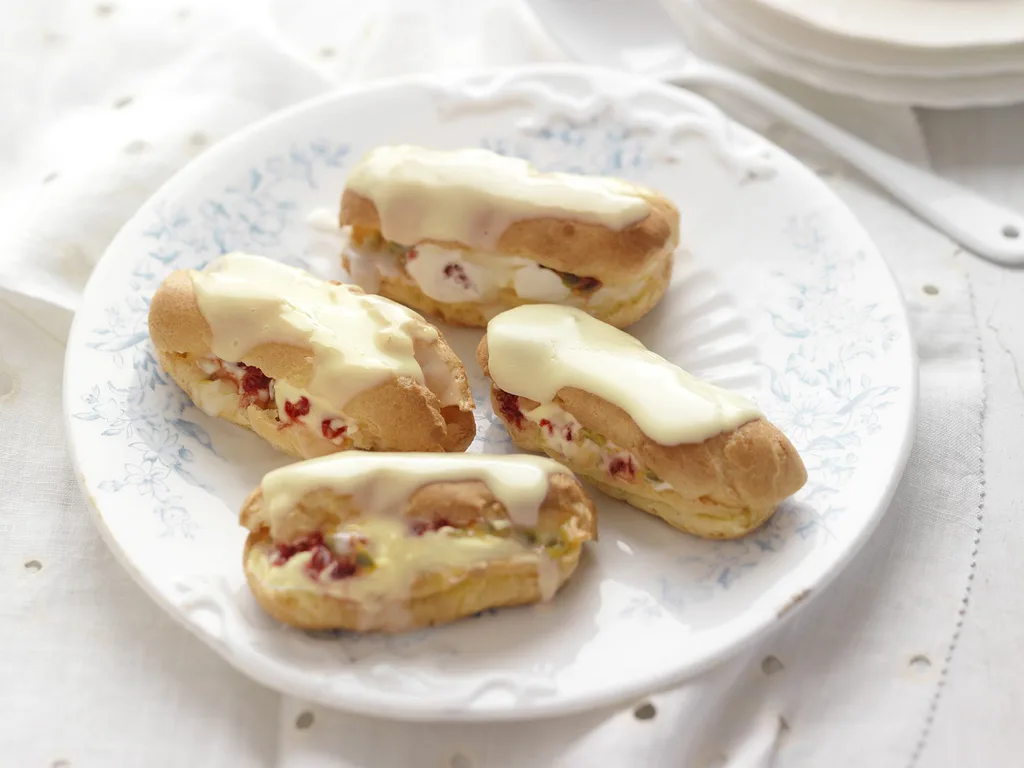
536,350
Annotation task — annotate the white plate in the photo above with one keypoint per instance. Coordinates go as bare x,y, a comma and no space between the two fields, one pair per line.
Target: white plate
939,92
785,297
936,24
788,35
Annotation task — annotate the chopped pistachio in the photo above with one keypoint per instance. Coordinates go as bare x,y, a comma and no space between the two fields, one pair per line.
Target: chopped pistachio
557,550
579,284
593,436
363,559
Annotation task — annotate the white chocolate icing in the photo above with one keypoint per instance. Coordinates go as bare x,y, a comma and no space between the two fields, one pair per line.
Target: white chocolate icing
536,350
381,483
471,196
357,341
452,275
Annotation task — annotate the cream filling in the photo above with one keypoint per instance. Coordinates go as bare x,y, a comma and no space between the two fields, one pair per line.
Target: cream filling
337,429
445,275
216,396
564,435
455,276
399,558
452,275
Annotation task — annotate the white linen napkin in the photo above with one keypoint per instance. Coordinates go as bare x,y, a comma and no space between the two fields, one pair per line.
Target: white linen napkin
111,98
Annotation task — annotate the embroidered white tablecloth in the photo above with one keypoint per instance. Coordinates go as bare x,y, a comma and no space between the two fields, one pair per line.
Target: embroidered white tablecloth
101,103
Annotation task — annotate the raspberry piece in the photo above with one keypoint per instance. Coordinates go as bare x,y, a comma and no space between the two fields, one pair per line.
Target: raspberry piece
332,432
622,467
457,273
295,411
509,407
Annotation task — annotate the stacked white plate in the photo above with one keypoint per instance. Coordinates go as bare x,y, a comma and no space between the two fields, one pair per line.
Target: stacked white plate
937,53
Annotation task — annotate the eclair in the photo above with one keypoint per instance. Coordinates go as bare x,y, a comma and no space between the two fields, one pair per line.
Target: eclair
391,542
466,234
641,429
311,366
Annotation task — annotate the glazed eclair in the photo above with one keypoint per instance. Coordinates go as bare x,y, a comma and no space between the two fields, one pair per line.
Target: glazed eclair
396,541
311,366
466,234
641,429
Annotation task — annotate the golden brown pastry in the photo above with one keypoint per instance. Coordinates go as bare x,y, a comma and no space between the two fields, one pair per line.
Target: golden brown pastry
395,541
312,367
641,429
467,234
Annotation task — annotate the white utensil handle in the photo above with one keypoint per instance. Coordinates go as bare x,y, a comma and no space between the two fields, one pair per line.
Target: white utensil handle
988,230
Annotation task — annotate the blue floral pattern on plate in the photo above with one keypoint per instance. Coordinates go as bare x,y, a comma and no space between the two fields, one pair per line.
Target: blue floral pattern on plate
153,413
